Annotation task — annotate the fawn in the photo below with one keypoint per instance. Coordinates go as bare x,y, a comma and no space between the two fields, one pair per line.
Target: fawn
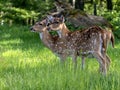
91,40
54,43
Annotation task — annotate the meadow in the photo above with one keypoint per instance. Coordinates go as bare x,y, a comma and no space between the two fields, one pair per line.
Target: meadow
26,64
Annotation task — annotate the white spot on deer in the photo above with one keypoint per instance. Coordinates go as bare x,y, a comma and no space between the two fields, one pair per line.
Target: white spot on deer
59,33
41,35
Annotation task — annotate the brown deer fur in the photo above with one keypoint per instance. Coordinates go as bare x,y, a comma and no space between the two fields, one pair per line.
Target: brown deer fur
54,43
91,40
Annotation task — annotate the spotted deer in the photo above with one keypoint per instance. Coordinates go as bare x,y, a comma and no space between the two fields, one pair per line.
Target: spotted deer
89,41
54,43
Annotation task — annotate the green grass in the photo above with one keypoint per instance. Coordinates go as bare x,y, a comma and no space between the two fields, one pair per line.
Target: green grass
26,64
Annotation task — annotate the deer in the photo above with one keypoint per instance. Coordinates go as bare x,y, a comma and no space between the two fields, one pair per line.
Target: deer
54,43
89,41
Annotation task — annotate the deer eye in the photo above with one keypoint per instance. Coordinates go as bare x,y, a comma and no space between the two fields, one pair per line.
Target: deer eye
56,22
40,24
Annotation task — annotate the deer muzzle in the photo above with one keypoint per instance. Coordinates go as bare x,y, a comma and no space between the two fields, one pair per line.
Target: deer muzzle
32,29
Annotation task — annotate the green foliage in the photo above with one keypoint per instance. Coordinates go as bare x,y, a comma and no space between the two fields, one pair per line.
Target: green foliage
117,34
22,11
18,14
27,65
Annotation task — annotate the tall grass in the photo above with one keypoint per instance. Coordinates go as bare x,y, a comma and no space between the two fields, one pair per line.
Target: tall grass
26,64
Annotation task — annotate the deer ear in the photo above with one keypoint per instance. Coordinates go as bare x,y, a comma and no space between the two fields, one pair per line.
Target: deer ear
50,18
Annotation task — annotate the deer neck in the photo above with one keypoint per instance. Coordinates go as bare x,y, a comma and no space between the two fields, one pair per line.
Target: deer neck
46,38
64,31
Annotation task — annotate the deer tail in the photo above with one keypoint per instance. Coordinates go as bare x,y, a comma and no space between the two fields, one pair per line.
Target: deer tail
112,39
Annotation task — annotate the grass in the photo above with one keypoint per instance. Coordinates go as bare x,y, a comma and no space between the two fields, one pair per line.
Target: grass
26,64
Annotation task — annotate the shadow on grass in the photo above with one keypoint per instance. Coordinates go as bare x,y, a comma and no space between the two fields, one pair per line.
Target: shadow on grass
19,37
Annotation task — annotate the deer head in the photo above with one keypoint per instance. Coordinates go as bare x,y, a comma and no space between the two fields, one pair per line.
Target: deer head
55,22
40,26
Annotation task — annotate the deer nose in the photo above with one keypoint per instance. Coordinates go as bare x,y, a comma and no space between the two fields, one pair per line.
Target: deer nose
31,28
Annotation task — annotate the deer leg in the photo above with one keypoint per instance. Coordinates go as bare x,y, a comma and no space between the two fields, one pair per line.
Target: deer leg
100,68
62,59
104,54
101,61
83,62
74,58
107,61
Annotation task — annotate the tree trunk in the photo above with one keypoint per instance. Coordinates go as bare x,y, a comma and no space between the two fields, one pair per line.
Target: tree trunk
79,4
95,9
71,2
109,5
91,1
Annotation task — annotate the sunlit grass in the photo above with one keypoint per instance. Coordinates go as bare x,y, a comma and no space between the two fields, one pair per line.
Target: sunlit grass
26,64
